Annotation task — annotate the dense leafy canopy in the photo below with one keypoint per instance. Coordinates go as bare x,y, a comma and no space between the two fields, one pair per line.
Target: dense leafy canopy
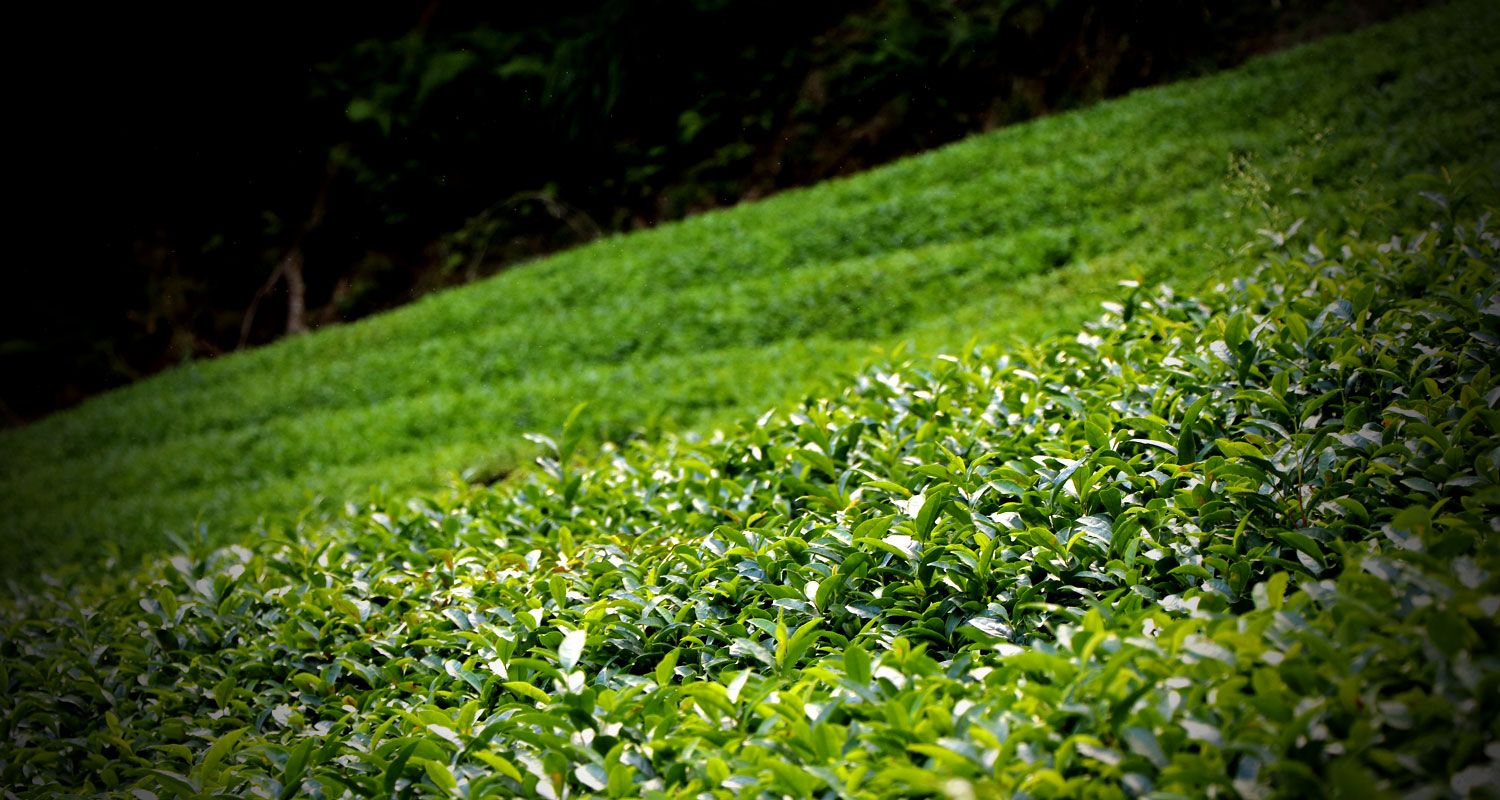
1244,544
731,312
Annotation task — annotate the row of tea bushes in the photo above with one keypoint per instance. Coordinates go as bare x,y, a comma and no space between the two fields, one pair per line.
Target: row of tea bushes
1237,546
1016,233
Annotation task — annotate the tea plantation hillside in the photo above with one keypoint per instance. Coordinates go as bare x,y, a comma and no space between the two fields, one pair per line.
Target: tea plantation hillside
1016,233
1238,547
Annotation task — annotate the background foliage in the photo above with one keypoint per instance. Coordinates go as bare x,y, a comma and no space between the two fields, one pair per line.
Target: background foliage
398,150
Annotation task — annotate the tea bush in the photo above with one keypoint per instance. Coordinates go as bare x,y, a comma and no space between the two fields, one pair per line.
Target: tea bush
1016,233
1243,545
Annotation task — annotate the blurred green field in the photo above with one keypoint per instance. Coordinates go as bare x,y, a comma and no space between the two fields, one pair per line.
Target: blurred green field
1021,232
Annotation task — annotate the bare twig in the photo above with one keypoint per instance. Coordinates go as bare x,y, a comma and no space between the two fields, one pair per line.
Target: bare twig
289,267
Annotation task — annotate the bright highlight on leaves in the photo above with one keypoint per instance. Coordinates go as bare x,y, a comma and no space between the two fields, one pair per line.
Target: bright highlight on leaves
572,649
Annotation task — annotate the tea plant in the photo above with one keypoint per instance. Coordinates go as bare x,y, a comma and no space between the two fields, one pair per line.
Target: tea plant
1016,233
1237,546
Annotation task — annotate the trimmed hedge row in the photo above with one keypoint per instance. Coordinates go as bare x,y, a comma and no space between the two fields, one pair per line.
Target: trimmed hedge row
1237,546
1015,233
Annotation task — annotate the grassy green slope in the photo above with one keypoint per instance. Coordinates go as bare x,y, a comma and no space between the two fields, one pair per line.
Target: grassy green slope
1239,546
1019,232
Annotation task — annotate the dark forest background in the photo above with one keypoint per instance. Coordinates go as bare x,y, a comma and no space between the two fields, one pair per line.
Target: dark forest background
199,178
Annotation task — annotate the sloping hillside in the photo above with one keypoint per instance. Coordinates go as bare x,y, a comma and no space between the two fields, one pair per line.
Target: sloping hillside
1243,546
1016,233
